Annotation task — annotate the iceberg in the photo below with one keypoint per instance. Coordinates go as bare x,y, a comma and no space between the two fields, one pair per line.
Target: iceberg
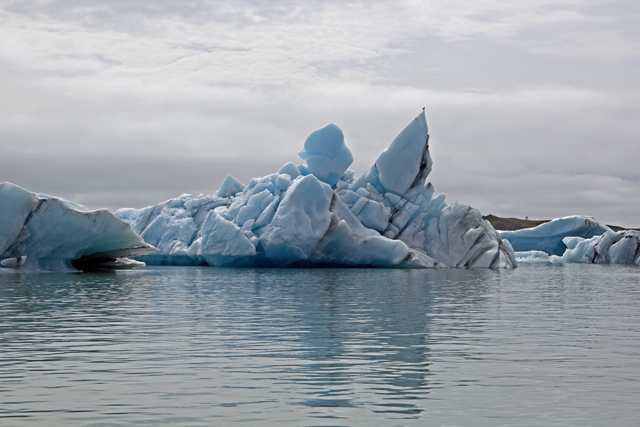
548,237
40,232
622,247
575,239
319,214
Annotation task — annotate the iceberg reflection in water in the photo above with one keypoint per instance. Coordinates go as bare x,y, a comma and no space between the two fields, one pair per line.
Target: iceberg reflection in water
546,343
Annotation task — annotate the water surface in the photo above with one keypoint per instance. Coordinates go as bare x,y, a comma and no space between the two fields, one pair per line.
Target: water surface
544,344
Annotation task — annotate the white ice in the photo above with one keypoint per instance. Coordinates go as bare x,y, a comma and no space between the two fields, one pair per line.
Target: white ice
319,214
622,247
532,256
39,232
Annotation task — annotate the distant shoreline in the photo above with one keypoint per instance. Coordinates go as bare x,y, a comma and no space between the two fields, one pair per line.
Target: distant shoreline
512,224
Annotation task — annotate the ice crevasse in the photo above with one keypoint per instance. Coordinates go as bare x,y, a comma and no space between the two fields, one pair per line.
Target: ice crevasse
319,213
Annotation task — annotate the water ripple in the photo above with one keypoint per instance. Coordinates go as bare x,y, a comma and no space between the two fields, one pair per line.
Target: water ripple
543,345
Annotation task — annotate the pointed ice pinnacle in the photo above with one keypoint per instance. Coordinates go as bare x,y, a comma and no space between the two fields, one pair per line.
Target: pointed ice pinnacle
404,166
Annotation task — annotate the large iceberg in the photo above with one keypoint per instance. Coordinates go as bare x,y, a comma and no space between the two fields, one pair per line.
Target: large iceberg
39,232
548,237
320,214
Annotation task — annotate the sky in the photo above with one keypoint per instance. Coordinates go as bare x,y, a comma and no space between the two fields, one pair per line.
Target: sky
533,106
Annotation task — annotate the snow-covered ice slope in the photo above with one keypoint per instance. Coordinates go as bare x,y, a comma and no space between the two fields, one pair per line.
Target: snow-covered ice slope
39,232
319,214
548,237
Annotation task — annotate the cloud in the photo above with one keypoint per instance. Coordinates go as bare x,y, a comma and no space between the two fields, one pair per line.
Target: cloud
532,106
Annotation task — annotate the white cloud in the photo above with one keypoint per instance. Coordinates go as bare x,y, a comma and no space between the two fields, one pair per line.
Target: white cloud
532,105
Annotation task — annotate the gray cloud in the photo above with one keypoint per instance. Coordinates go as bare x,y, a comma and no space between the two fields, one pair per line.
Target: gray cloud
532,106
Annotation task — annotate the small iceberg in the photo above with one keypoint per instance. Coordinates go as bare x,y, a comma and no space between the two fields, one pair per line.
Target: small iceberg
548,237
575,239
622,247
40,232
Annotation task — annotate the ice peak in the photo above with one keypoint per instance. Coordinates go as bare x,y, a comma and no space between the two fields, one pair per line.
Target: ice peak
405,164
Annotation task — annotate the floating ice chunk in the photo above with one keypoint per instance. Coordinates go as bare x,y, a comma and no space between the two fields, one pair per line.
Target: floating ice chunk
107,263
326,154
548,237
57,235
531,256
15,263
230,187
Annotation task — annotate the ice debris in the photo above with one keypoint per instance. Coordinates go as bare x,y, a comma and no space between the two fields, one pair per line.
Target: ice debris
534,256
40,232
320,214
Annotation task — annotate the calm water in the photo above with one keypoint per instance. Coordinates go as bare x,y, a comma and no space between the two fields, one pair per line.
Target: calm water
545,344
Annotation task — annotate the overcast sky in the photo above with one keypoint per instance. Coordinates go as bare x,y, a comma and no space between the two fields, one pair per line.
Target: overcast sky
533,106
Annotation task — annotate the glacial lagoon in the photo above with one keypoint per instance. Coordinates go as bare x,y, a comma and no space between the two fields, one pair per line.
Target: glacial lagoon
544,344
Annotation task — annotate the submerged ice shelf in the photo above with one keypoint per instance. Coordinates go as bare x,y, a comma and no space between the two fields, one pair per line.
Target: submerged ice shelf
39,232
318,213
